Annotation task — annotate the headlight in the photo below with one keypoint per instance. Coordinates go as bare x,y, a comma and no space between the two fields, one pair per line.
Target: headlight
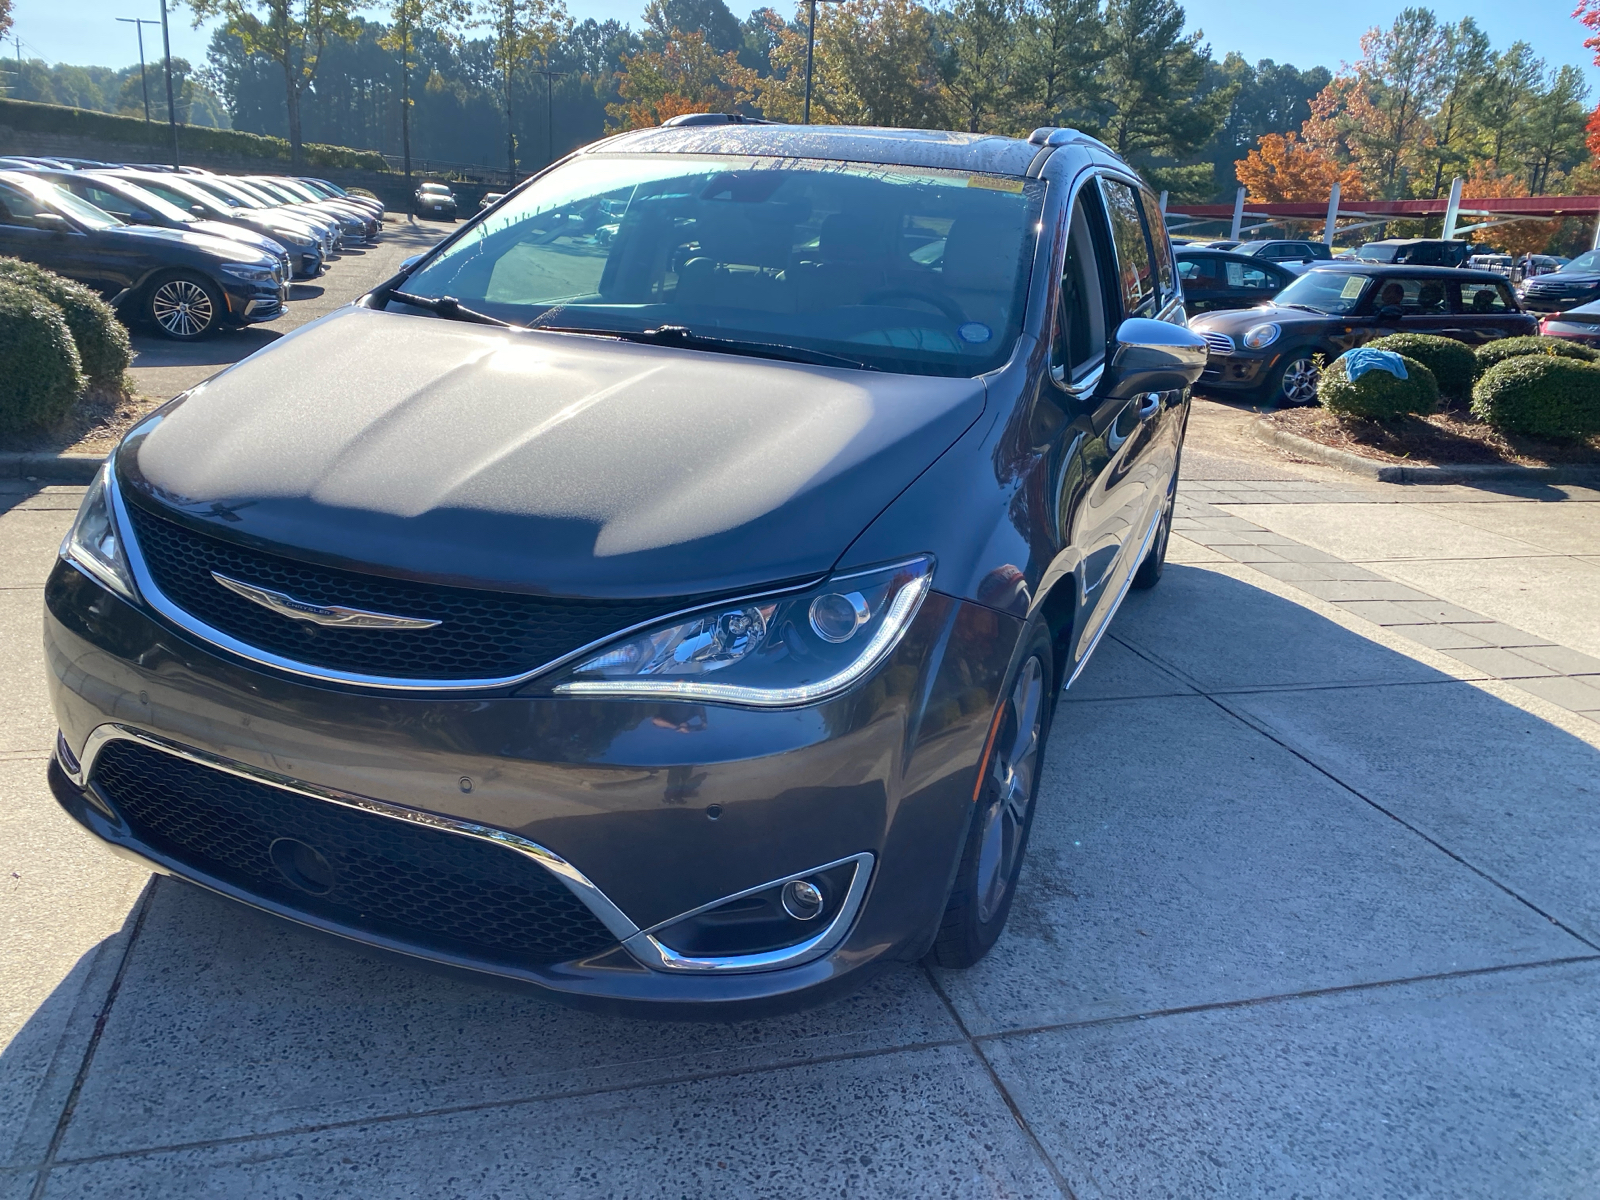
92,541
1260,336
768,652
248,273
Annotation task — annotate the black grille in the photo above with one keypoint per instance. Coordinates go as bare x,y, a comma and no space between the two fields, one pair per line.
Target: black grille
480,635
421,886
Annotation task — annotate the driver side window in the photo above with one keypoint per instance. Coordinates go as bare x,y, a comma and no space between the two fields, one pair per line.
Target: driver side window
1078,346
19,208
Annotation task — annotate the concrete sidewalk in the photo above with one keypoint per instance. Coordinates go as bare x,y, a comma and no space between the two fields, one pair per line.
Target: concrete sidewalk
1309,911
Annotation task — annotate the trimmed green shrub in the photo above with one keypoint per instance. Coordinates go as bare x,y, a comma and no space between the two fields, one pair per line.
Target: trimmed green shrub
1540,395
40,375
1452,363
103,346
1378,395
1493,352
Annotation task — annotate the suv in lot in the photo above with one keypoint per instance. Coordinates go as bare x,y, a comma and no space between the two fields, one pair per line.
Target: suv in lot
659,593
186,285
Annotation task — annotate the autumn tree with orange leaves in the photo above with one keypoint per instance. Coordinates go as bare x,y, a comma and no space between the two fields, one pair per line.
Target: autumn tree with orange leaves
1282,167
684,76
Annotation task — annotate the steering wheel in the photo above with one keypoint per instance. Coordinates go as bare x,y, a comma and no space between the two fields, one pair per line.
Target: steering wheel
944,304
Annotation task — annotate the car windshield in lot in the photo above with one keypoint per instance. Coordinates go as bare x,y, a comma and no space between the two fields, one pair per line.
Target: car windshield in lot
899,268
1586,263
64,201
1334,292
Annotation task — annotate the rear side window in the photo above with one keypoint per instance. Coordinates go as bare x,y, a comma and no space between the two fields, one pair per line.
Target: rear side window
1250,277
1135,274
1156,225
1485,298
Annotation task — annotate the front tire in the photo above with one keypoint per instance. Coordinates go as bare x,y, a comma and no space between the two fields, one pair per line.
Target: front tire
1295,382
997,838
184,306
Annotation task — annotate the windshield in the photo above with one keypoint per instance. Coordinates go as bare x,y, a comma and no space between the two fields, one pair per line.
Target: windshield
1376,253
79,210
1589,260
900,268
132,193
1335,292
185,196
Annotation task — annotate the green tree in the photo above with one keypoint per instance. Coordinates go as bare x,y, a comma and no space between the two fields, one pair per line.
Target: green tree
665,19
1552,129
1059,46
519,31
1400,70
444,17
1465,61
1152,74
976,38
292,33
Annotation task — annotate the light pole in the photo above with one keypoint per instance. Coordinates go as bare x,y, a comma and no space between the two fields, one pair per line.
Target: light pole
172,110
138,24
549,114
811,41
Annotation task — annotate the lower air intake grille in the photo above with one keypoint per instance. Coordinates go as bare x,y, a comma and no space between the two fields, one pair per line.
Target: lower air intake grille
420,886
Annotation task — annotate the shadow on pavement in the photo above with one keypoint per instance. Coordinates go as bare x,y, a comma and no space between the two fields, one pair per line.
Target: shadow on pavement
228,346
1243,799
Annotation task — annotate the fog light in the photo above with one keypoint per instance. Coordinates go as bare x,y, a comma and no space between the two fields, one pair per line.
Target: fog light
802,900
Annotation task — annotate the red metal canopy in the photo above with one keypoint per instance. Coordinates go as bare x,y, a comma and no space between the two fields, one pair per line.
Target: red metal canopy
1317,210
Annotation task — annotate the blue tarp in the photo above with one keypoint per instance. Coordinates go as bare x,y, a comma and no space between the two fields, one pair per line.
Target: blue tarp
1359,361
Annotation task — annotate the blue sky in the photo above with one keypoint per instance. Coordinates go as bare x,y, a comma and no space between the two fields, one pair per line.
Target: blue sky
1318,33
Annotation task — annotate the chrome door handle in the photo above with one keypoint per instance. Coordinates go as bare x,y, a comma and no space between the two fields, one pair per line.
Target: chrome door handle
1151,406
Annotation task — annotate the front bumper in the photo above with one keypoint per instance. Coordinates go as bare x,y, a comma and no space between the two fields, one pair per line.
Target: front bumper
1536,300
660,808
254,303
1240,371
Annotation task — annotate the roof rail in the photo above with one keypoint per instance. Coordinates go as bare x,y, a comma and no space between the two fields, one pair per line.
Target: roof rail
1056,135
708,118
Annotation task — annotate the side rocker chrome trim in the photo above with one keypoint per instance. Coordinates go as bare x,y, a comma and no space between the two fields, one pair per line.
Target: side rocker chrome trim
1144,548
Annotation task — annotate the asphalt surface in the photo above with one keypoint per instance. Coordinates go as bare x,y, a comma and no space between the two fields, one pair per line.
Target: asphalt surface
163,368
1309,912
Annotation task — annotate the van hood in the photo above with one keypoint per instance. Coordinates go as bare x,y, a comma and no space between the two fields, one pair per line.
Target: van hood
550,463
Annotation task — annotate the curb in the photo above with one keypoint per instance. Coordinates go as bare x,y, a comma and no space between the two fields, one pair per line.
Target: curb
1356,464
50,468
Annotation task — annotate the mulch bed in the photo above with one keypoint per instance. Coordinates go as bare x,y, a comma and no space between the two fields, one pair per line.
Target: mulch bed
1451,438
95,426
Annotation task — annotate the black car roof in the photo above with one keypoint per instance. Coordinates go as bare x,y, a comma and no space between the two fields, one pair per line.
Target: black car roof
931,148
1367,267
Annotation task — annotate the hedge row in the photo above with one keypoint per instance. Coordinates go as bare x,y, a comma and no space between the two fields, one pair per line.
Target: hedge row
1496,352
1552,396
1452,363
57,338
155,141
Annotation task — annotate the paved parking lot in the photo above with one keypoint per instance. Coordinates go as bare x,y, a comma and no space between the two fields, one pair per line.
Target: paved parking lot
1310,911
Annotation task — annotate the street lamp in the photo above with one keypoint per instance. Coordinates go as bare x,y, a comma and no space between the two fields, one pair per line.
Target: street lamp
172,109
811,41
549,112
138,24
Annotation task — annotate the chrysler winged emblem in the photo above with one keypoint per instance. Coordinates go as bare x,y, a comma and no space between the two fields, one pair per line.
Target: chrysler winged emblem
320,614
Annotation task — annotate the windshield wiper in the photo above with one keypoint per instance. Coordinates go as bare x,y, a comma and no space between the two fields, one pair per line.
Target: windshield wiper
1305,308
449,307
678,335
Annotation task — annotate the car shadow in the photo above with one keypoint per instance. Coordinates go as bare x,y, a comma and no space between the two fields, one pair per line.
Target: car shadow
225,347
228,1023
305,291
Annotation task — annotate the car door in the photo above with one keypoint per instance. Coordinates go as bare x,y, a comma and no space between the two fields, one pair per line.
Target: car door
1125,445
1425,305
1487,311
26,232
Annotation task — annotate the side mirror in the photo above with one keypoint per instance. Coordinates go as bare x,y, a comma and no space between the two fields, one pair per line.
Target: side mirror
407,263
139,217
1152,356
198,210
54,222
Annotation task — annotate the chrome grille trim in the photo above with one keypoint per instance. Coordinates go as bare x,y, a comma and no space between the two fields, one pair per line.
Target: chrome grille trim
1218,343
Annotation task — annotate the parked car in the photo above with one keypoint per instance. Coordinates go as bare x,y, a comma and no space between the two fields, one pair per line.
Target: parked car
1289,253
1418,252
490,198
1576,283
323,188
1580,324
134,205
1500,264
435,200
237,194
1272,353
306,244
187,285
355,222
1214,279
673,623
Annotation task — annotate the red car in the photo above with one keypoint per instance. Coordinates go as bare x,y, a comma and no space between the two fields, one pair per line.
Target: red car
1581,324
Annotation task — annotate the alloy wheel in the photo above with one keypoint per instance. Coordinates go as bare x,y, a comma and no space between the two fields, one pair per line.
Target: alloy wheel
182,308
1014,767
1300,381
